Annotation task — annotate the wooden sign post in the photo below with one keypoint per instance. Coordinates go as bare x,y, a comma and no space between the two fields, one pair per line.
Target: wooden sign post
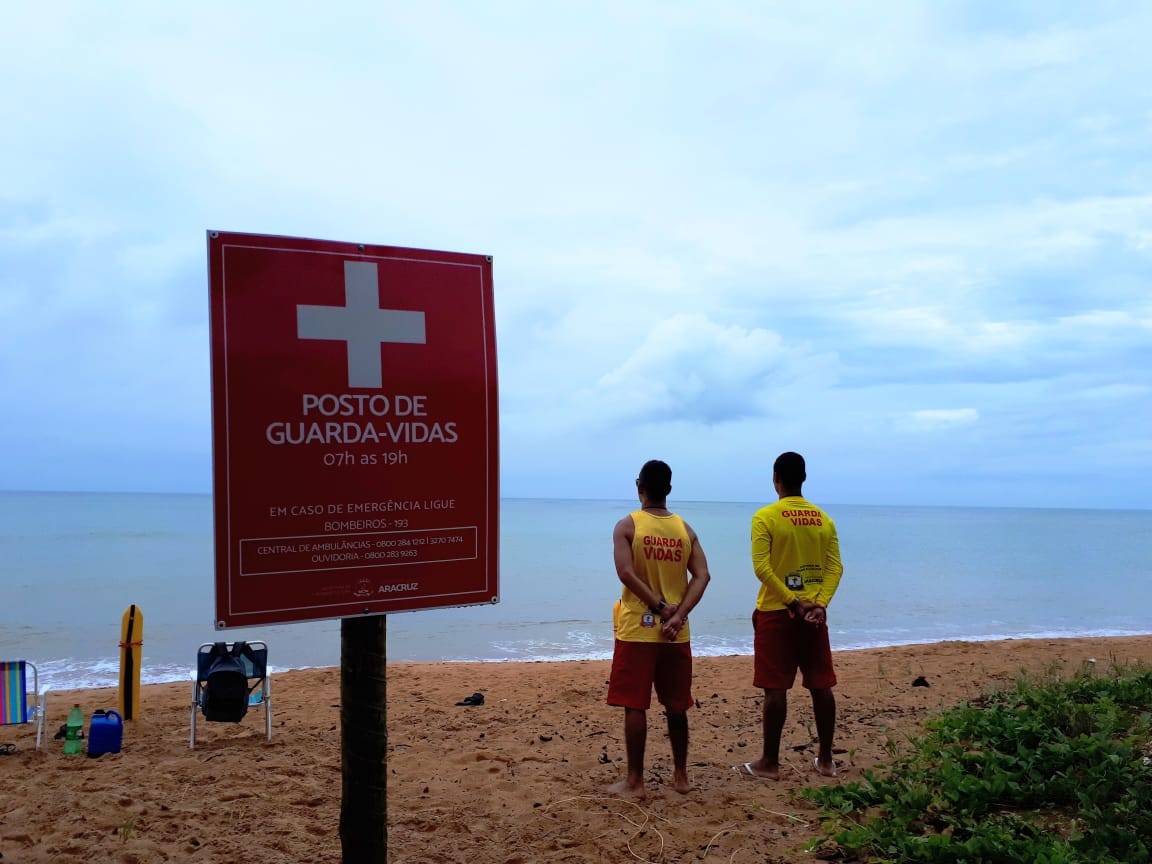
364,733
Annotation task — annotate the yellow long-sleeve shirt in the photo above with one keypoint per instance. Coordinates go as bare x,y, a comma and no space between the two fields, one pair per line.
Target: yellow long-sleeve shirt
795,553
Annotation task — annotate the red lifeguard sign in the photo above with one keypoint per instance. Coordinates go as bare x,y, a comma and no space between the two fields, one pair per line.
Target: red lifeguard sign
355,422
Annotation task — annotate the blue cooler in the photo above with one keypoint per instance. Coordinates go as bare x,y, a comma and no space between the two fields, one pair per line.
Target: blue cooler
105,733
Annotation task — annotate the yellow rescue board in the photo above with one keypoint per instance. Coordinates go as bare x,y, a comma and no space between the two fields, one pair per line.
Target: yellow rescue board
131,649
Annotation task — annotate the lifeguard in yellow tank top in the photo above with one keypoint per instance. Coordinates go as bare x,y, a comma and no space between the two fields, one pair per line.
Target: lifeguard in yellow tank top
663,570
660,550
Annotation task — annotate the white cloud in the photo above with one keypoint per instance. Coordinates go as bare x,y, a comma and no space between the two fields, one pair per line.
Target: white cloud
690,369
943,418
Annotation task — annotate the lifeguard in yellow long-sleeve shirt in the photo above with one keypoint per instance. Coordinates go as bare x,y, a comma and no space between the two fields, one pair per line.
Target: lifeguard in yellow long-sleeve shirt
796,557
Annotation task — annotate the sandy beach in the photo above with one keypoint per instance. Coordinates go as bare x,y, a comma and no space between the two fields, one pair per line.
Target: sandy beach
520,778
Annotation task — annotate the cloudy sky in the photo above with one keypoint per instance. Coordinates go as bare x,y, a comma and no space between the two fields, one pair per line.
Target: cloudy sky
912,240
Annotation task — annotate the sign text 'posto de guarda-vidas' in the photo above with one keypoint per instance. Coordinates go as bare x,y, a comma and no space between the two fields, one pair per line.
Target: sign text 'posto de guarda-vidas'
357,418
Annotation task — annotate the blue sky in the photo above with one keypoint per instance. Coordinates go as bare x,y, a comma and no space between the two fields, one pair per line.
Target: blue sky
910,240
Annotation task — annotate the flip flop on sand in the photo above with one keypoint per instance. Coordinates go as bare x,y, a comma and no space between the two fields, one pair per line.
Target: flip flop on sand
7,749
821,771
745,771
474,699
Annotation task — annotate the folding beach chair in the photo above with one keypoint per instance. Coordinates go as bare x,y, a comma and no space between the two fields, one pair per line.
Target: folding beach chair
18,703
230,678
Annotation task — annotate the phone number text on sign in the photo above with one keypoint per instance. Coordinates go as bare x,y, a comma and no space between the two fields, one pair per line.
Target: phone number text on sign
269,555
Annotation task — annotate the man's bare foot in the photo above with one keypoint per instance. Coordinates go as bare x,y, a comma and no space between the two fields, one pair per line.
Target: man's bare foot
758,770
680,782
628,787
824,769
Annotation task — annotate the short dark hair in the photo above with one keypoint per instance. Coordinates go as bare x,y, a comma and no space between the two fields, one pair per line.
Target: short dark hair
789,470
656,479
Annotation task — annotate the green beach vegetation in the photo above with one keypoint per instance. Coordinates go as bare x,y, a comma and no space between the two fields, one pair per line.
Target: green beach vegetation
1055,772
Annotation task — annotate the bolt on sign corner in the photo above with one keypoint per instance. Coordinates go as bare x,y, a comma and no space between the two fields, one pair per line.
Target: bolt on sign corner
354,429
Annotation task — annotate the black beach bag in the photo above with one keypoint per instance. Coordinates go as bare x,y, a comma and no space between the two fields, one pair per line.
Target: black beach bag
226,684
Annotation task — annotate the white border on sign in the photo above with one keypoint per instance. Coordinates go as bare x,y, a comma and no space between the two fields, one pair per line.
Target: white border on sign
487,588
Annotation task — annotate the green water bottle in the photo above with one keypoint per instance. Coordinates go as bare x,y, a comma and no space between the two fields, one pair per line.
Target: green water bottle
74,732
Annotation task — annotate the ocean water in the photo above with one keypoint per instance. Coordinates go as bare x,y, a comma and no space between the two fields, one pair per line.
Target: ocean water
71,563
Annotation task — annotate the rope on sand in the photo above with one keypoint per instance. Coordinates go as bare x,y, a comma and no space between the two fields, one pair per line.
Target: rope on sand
791,817
723,830
639,826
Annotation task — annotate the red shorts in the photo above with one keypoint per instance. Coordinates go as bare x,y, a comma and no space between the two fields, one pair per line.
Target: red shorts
637,666
784,644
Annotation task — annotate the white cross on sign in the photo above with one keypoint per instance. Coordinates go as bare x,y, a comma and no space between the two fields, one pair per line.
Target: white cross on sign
361,323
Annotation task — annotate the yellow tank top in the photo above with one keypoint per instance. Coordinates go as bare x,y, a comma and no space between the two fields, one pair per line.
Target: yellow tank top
660,550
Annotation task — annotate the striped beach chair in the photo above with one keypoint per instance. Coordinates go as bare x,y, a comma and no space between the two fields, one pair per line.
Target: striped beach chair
20,703
251,659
